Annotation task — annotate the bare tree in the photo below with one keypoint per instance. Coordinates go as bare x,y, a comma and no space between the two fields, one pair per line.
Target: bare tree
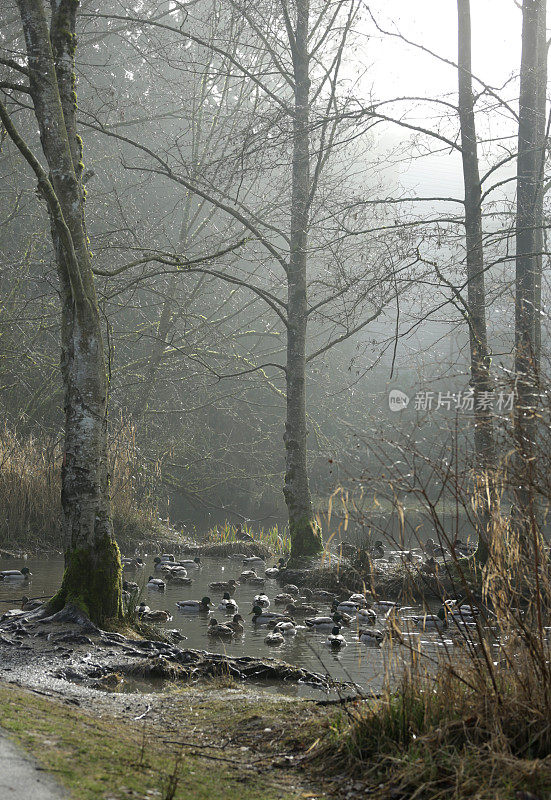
92,578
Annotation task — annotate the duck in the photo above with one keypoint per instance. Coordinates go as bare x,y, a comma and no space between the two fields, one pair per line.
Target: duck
227,605
189,563
429,622
385,606
221,631
261,600
377,551
283,599
247,574
359,599
236,624
345,619
291,588
274,639
254,561
434,550
130,586
263,617
143,608
156,616
335,639
14,575
178,580
286,628
130,564
321,594
30,605
224,586
194,606
347,607
300,610
272,572
257,581
323,623
373,638
366,616
430,567
156,583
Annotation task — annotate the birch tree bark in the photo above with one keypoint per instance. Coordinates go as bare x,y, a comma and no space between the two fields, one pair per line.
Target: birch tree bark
476,294
92,578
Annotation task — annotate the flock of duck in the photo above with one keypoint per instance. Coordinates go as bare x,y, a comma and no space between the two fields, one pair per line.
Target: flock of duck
297,609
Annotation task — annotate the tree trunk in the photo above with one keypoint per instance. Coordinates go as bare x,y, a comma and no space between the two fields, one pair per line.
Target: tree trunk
528,245
92,578
305,536
480,357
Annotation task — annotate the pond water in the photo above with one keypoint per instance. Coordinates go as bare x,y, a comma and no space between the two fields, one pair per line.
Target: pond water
359,663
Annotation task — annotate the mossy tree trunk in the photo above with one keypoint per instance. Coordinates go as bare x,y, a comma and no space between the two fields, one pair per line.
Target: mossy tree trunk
92,578
305,536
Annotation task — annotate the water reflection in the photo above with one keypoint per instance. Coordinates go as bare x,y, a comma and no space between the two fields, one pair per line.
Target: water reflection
363,665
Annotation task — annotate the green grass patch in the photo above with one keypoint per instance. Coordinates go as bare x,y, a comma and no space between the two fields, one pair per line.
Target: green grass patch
100,757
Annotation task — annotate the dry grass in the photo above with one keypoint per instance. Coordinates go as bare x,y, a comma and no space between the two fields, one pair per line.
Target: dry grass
30,488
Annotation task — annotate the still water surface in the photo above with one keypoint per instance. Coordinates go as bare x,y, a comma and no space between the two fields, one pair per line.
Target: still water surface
363,665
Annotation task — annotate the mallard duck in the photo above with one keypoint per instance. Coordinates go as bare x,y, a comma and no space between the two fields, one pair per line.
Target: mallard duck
272,572
336,639
167,557
221,631
384,606
247,575
261,600
227,605
224,586
434,550
194,606
156,616
377,551
300,610
291,588
287,628
433,622
430,567
257,581
14,575
156,583
323,623
366,616
347,607
254,561
283,599
30,605
321,594
373,638
142,609
131,564
189,563
274,638
359,599
236,624
263,617
130,586
179,580
345,618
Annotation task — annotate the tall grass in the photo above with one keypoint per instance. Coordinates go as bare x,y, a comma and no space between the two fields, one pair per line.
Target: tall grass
275,539
30,490
476,721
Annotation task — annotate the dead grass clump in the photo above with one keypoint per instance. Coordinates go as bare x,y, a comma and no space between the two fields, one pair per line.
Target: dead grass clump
30,491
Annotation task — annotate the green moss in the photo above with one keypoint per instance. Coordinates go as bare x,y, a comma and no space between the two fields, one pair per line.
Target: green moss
306,538
92,581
